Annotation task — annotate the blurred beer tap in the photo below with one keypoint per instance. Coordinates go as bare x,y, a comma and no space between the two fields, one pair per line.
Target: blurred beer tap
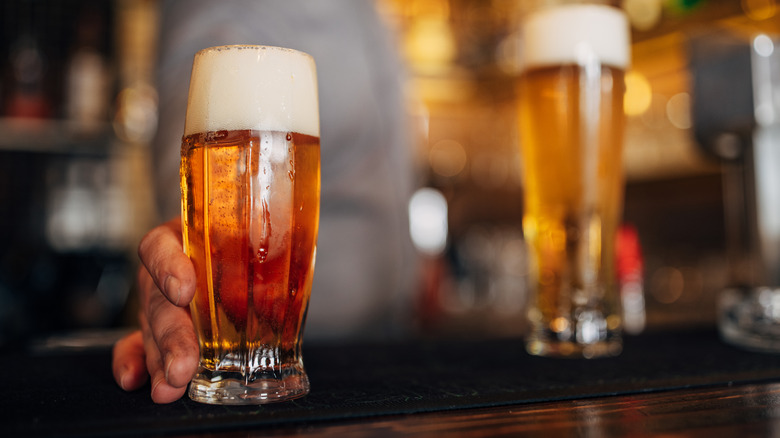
736,111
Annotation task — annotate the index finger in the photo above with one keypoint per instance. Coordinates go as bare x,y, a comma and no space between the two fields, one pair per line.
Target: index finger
128,361
161,253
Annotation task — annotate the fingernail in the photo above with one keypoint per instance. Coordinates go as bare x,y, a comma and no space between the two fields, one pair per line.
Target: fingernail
155,384
123,376
173,289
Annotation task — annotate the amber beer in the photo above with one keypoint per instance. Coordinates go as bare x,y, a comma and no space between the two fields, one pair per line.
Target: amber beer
571,128
250,179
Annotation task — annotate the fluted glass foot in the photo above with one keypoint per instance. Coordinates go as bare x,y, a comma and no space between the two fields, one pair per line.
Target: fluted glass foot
230,388
750,318
588,335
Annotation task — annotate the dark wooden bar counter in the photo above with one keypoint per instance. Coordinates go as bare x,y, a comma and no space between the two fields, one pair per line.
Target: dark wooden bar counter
721,411
685,383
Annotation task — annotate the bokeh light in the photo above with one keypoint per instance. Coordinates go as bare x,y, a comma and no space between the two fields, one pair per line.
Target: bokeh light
639,94
428,221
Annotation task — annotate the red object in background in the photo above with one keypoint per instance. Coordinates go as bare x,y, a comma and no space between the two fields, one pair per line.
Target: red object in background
30,106
26,95
629,254
630,271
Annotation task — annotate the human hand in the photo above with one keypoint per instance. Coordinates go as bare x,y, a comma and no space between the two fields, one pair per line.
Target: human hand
165,347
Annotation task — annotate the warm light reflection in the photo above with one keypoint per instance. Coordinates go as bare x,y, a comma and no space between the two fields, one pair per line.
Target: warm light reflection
678,110
643,14
429,40
639,94
135,118
447,158
559,325
759,9
490,170
667,284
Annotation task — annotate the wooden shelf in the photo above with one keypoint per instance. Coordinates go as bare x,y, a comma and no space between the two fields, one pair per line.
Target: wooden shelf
55,136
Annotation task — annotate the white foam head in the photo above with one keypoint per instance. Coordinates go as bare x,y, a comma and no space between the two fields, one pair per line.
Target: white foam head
571,34
252,87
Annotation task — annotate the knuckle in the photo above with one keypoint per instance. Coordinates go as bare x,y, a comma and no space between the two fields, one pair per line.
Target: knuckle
147,242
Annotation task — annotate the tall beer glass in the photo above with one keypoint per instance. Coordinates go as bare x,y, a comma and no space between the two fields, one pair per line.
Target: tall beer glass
571,133
250,180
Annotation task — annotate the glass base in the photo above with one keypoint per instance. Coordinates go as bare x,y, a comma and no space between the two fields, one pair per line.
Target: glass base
750,318
230,388
588,335
556,348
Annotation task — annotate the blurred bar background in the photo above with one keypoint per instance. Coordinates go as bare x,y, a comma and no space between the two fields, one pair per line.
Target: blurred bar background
78,110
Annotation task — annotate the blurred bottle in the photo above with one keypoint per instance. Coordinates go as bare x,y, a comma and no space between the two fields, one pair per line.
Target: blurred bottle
26,92
87,77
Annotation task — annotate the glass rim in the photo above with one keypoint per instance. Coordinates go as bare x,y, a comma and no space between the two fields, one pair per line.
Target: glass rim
226,47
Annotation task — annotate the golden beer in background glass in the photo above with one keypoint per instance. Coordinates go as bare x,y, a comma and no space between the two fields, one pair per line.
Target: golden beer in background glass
250,180
571,132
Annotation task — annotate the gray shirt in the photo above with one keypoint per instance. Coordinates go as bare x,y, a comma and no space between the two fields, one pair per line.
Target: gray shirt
364,276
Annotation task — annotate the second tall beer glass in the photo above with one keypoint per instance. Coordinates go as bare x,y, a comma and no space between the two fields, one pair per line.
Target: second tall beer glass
571,131
250,180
